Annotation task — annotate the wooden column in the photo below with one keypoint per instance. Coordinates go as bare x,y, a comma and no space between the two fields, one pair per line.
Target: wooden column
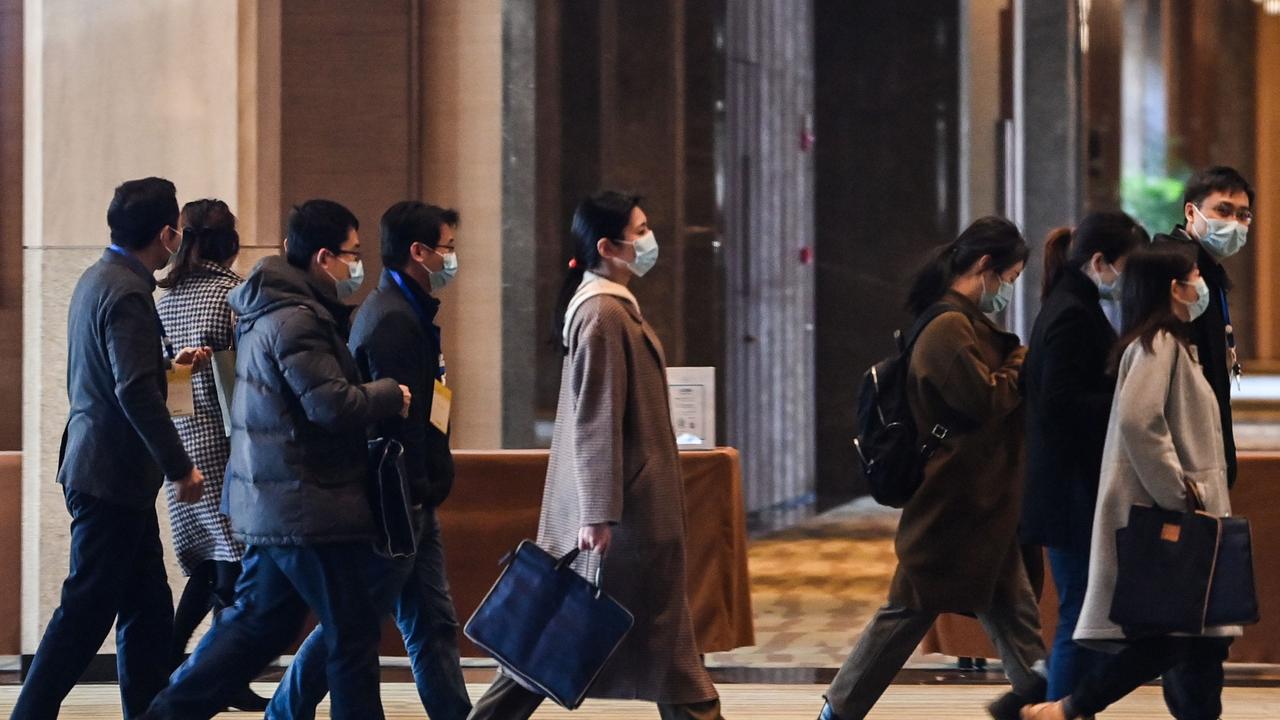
1265,234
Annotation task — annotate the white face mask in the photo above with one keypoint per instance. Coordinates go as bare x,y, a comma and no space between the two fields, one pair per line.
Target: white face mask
646,254
445,275
1108,290
355,278
1222,238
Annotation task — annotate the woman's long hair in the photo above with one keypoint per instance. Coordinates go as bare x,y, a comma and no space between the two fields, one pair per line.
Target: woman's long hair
603,215
208,234
994,236
1114,234
1145,302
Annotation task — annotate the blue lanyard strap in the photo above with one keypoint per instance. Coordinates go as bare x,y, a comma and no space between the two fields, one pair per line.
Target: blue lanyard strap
418,310
164,339
1226,318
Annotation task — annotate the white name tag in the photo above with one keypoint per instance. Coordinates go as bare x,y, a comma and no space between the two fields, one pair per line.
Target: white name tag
181,399
441,402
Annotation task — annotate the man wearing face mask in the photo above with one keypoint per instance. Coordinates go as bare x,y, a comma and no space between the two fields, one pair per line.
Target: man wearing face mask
118,448
395,336
1218,207
295,486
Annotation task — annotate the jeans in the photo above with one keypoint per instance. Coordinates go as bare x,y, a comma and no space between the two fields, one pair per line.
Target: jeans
117,574
1069,662
1144,660
417,590
275,589
507,699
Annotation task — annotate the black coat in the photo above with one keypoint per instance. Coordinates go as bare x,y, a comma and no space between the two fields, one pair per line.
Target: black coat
1068,394
390,340
120,443
300,416
1209,333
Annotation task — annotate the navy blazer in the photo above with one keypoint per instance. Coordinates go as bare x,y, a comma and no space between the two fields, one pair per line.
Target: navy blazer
1068,403
119,443
390,340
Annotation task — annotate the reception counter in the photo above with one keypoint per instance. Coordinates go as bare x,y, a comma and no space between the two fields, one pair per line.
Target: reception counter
495,503
1256,496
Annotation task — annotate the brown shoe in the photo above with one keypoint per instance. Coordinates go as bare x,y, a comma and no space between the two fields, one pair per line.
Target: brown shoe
1044,711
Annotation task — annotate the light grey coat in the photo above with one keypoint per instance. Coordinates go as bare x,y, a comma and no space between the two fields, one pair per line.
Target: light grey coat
1164,427
614,460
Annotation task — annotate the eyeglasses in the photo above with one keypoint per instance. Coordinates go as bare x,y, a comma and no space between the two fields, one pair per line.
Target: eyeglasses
1228,210
353,253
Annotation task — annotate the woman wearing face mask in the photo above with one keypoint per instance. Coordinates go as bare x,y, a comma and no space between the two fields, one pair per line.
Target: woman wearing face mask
1164,431
1069,388
194,313
957,542
613,485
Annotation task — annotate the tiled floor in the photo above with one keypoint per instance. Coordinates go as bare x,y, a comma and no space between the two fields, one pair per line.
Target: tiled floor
815,585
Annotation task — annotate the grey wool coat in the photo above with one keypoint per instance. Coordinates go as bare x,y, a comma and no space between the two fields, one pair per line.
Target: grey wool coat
614,460
1164,426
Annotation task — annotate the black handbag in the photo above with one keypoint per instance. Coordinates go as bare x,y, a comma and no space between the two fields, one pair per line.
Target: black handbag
390,499
1233,597
549,628
1164,567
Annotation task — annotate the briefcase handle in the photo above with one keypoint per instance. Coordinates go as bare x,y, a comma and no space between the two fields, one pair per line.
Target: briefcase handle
567,560
1194,501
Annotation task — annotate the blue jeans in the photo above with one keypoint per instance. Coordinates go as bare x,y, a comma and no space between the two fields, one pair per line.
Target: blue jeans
275,589
1069,662
117,575
418,592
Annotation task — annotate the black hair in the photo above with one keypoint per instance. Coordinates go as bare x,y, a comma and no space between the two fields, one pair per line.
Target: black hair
1114,234
208,234
140,209
1218,178
603,215
1144,300
317,225
994,236
408,222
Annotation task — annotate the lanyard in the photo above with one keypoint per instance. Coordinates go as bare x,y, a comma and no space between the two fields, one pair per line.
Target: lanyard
133,261
1236,370
420,312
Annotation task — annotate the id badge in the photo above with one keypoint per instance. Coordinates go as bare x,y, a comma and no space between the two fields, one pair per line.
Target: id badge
441,402
181,400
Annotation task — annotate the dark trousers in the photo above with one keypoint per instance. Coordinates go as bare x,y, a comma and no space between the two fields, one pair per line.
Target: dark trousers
1069,662
507,699
211,586
1144,660
417,590
275,589
117,574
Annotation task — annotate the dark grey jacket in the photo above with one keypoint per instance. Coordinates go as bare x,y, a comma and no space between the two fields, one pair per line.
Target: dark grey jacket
299,417
119,444
390,340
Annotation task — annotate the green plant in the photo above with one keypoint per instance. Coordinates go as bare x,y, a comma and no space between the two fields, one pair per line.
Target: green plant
1154,201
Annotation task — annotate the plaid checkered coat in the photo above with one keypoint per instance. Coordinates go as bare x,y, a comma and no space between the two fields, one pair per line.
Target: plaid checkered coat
195,314
613,459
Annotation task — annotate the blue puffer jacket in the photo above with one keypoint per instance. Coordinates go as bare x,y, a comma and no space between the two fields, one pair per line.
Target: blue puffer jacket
300,416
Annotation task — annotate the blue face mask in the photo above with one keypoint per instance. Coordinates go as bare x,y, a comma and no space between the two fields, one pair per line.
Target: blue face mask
1109,290
446,274
348,287
1222,238
646,255
1201,303
997,301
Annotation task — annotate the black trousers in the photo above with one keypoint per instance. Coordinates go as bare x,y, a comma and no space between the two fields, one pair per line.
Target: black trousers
1192,670
117,575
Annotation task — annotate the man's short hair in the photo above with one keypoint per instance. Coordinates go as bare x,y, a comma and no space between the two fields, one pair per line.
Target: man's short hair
408,222
1218,178
317,225
140,209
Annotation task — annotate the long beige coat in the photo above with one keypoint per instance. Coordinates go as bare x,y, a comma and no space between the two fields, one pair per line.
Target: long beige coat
1164,426
613,459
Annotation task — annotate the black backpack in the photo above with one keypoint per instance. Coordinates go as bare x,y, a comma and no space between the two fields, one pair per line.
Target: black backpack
889,444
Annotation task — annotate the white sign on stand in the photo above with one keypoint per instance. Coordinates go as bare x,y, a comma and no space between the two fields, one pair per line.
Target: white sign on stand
693,406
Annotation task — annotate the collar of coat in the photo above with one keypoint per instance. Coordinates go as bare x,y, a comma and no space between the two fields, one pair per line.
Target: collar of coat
977,317
594,285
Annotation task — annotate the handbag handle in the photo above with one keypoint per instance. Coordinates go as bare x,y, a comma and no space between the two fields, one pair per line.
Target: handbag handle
1194,501
568,559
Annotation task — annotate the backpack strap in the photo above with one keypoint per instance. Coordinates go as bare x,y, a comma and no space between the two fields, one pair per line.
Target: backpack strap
906,342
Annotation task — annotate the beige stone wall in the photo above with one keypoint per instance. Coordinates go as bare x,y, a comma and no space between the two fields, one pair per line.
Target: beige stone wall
113,90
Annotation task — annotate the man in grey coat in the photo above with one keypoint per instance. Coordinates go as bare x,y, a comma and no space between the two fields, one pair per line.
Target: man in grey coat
296,483
117,450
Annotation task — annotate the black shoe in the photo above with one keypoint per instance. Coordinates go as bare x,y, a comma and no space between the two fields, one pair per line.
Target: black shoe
828,713
248,701
1009,706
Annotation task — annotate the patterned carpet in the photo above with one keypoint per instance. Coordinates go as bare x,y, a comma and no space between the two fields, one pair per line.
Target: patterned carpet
815,585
